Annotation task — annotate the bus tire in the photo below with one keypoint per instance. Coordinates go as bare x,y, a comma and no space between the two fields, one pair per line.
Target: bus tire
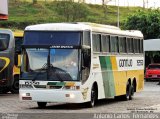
4,91
131,93
127,96
41,104
15,86
94,97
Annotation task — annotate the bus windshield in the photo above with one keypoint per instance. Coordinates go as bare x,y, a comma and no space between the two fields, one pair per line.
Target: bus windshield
52,37
63,64
4,41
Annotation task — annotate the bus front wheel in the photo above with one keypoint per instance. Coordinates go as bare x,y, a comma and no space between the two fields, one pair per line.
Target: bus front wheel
41,104
128,95
94,95
15,86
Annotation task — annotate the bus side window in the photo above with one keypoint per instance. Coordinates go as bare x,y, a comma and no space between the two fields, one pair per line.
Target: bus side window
86,62
105,41
138,44
114,44
86,38
130,45
122,45
18,43
96,42
141,45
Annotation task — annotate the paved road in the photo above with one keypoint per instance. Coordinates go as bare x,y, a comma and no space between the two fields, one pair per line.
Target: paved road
147,100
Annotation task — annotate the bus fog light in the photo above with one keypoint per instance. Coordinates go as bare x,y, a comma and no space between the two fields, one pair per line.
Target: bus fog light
23,94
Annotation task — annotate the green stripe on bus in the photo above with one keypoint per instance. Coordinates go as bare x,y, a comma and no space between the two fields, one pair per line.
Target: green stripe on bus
107,75
56,83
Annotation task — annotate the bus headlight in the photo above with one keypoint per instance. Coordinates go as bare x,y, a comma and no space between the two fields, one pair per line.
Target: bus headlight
72,96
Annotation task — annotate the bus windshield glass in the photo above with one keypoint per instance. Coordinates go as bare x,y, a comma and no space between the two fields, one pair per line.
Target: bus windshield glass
4,41
63,64
52,37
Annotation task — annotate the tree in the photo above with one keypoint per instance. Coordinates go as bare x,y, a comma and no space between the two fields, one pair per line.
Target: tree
146,21
104,4
72,11
34,1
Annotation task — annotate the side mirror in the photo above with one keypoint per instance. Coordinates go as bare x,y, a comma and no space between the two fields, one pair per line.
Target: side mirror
3,45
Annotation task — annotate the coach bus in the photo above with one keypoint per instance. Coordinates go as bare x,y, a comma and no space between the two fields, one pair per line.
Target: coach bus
6,60
80,63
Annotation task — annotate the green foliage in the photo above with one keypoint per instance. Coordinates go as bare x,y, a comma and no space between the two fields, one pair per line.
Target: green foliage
72,11
23,13
146,21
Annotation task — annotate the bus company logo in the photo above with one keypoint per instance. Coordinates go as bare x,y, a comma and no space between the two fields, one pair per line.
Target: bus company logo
32,83
7,61
125,62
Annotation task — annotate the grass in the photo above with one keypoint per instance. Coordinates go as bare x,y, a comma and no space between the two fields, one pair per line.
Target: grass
24,12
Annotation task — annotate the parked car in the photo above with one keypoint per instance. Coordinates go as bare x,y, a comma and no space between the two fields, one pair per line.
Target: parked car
152,72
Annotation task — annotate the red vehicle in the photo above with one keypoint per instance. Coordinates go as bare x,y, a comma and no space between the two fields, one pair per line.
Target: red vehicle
152,72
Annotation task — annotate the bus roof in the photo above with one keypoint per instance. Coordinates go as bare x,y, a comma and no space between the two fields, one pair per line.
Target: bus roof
18,34
80,26
6,31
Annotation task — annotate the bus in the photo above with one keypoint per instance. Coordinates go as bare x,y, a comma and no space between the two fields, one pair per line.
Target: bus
80,63
6,60
10,60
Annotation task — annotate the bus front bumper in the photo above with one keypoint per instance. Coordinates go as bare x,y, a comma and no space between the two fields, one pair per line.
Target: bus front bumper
62,96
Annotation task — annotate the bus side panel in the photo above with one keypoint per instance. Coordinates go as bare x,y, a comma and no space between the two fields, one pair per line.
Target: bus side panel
107,74
139,76
6,71
119,78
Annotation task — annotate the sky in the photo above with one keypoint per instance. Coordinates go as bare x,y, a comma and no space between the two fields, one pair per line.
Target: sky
151,3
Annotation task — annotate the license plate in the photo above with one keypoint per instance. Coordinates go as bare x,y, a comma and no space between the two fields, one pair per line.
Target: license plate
154,76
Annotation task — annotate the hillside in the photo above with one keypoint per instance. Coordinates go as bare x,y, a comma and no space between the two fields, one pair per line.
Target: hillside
23,13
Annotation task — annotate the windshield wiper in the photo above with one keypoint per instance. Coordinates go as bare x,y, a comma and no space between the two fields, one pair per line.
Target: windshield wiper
48,71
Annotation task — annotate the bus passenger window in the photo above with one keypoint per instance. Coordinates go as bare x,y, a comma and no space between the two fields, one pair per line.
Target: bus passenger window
105,41
122,44
141,45
4,41
130,45
138,45
114,44
96,42
86,38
